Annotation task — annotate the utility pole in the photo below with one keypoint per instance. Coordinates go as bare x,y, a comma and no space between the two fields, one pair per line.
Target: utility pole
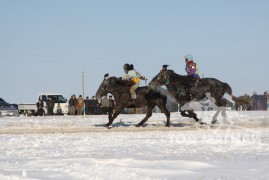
83,84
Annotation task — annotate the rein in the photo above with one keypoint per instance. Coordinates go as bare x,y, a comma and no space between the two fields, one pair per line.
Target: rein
167,81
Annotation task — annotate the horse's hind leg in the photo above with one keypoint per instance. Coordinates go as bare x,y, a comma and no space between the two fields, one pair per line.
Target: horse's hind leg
166,112
148,115
221,107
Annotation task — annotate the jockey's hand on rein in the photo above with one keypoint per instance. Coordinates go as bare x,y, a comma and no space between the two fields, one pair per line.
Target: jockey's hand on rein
143,78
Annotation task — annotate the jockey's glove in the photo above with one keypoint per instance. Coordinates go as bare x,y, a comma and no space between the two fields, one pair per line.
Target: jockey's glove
143,78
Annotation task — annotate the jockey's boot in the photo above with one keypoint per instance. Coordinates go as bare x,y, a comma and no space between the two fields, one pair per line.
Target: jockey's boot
133,102
133,98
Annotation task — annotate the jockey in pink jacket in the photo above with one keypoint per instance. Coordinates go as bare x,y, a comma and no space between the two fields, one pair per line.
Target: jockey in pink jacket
191,67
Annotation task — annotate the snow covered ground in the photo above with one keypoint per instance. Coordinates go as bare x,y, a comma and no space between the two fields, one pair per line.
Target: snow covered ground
79,147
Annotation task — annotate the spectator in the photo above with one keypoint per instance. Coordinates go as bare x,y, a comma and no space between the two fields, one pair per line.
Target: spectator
87,105
98,109
111,105
50,106
105,104
137,110
93,105
72,103
59,109
80,105
40,110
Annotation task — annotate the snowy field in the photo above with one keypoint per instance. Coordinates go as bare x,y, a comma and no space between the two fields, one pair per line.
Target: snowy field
79,147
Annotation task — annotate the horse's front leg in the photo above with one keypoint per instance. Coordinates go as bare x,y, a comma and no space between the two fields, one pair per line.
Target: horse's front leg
110,120
191,114
110,113
112,117
194,116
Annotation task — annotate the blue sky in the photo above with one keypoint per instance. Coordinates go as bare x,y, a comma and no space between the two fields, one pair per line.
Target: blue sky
45,45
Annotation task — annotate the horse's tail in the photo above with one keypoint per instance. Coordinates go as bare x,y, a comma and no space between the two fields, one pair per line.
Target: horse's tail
239,100
228,89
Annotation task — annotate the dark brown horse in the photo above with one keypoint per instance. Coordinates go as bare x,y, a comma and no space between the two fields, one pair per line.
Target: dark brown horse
186,88
146,96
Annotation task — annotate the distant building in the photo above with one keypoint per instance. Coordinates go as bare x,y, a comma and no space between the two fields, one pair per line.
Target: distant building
259,102
267,99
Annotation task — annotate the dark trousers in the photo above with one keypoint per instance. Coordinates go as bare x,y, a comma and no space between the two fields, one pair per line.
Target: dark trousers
50,111
104,110
110,111
92,110
87,110
40,112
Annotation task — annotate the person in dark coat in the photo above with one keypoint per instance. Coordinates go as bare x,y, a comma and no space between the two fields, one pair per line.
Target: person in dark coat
40,110
50,106
98,109
93,105
111,106
73,103
87,105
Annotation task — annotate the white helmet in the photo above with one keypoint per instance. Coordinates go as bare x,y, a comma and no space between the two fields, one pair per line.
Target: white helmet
189,57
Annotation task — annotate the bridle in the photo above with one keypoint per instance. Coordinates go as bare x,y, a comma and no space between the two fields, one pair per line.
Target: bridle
162,78
166,78
107,89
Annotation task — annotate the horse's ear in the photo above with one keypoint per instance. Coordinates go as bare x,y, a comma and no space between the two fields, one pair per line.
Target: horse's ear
106,75
165,66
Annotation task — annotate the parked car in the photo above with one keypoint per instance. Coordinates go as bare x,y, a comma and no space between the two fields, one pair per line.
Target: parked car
29,109
7,110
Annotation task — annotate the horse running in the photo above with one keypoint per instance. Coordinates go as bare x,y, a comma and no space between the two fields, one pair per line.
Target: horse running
185,89
120,89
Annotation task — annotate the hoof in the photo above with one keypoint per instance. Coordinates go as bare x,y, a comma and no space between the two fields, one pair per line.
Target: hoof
202,123
214,122
108,126
167,125
137,125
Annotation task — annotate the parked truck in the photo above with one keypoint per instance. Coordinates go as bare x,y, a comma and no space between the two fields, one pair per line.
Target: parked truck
29,109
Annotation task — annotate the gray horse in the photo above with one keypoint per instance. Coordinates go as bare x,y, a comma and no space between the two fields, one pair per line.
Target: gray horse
186,88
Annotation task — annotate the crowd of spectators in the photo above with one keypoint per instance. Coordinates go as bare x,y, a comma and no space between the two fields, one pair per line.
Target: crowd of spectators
78,106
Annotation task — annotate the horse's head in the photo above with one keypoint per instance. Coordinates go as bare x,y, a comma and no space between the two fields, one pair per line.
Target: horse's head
108,85
161,78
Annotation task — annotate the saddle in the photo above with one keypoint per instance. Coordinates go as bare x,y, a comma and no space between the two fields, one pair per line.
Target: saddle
126,83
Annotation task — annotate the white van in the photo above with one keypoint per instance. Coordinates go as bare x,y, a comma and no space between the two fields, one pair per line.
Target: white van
30,108
57,98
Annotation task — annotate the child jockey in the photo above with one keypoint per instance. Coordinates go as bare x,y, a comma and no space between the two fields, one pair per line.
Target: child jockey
132,74
191,67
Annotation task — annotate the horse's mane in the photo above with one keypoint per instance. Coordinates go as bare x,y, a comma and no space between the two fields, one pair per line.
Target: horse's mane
180,77
175,74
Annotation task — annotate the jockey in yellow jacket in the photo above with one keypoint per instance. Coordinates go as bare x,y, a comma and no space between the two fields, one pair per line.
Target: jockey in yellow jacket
132,74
